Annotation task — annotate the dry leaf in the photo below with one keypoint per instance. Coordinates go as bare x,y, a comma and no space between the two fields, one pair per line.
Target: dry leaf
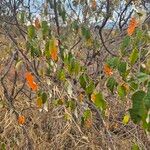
37,23
30,80
21,120
107,70
131,27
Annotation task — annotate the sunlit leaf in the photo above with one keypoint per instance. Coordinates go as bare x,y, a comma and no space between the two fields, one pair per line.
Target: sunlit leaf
126,119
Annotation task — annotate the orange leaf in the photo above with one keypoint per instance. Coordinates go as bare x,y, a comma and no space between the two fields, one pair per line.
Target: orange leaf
37,23
53,47
131,27
107,70
21,120
30,81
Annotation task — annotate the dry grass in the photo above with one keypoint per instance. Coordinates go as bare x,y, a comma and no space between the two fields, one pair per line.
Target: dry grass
51,131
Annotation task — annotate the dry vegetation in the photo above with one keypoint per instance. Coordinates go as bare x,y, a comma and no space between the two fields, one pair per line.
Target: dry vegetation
55,125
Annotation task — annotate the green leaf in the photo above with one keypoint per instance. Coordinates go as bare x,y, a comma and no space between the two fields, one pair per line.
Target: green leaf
77,68
44,97
61,75
3,146
122,68
111,84
100,101
90,87
125,45
113,62
47,51
71,104
45,29
85,32
134,86
83,81
121,91
134,56
31,32
147,97
142,77
87,114
75,25
135,147
22,17
137,112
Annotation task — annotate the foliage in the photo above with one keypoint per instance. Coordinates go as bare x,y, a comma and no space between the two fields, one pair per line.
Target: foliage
58,59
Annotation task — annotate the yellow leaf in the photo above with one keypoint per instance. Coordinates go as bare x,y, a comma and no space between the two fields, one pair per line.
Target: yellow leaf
39,102
126,119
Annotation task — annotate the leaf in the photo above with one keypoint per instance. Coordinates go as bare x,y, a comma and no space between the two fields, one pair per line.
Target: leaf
85,32
137,112
113,62
135,147
131,27
53,48
71,104
44,97
45,29
39,102
21,120
30,80
93,6
121,91
147,97
61,75
90,87
22,18
83,81
134,56
100,101
126,119
107,70
3,146
47,52
111,84
37,23
87,118
122,68
18,65
142,77
31,32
